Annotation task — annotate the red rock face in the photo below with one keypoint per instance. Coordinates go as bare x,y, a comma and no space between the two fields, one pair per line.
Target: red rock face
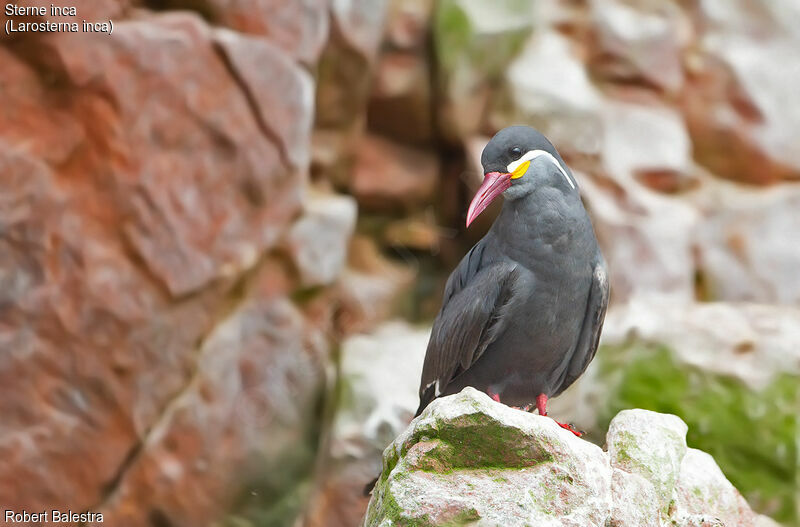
735,135
181,147
142,176
250,394
388,175
298,27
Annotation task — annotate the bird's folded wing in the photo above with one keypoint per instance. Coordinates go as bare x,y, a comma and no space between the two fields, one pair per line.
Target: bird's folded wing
471,318
592,326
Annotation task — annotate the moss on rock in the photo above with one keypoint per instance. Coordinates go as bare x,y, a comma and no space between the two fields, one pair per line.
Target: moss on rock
474,42
478,441
483,36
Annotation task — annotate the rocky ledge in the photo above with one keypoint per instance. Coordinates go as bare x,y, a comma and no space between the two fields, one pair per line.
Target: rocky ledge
468,460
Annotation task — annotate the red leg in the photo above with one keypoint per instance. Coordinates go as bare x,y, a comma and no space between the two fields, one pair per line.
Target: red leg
495,396
541,405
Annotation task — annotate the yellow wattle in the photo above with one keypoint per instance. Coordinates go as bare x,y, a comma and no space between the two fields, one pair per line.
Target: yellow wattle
520,170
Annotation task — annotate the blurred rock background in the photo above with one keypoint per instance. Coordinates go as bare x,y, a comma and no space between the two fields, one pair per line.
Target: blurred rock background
225,228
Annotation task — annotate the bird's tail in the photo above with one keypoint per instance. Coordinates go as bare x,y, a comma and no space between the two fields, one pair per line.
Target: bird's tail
425,399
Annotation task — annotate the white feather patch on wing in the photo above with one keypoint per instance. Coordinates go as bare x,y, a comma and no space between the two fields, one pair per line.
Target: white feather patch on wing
436,387
530,155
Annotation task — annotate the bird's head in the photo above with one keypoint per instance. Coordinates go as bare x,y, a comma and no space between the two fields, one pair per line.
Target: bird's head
515,162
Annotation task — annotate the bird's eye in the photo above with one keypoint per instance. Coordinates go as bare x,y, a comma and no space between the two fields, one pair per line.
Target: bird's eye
516,152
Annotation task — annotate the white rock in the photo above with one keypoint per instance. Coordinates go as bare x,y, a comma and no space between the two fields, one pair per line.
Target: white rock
497,18
469,460
639,138
380,375
550,88
318,240
646,236
651,445
703,487
742,247
646,240
361,23
634,501
532,475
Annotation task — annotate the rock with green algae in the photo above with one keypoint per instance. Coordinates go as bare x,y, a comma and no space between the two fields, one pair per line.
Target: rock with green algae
468,460
730,371
650,445
474,41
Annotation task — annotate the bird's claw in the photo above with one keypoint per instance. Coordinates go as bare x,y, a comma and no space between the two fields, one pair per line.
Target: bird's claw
569,427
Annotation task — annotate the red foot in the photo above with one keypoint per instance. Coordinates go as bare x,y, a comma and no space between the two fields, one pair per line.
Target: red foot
569,427
541,405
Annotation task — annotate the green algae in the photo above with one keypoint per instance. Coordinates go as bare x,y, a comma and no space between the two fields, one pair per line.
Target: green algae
391,510
452,30
390,460
625,441
751,435
399,516
305,295
545,500
465,517
476,441
634,455
440,446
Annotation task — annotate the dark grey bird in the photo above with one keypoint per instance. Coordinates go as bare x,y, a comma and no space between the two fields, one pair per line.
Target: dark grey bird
523,311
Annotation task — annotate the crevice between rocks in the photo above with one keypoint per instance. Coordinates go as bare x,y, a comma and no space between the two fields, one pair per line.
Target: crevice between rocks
110,490
235,296
262,124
